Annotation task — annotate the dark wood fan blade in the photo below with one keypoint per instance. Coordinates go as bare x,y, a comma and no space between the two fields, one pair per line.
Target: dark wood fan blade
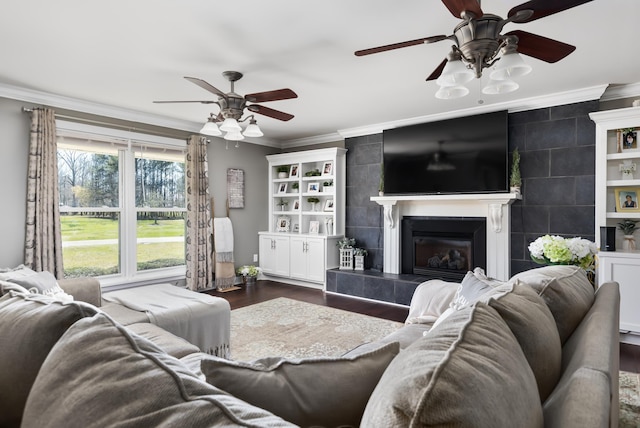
206,86
266,111
542,8
280,94
540,47
384,48
438,71
456,7
202,102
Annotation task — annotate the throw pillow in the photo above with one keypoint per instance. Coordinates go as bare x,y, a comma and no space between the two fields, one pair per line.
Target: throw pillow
470,290
532,323
320,391
99,374
565,289
470,371
430,300
36,282
30,325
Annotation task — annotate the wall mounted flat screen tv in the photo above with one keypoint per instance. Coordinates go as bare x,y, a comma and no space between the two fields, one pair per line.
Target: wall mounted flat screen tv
462,155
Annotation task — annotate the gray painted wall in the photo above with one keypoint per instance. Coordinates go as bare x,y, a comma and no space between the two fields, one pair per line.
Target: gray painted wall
14,145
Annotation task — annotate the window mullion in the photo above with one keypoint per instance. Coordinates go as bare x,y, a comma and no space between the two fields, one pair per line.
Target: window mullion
128,213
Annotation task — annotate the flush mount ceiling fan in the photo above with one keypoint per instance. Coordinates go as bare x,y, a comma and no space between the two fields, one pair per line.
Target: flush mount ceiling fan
232,106
479,44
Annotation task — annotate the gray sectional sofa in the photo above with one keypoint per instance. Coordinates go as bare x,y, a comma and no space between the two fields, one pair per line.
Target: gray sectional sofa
539,350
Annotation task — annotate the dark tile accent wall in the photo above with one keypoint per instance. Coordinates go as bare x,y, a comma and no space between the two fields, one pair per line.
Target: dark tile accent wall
375,285
557,148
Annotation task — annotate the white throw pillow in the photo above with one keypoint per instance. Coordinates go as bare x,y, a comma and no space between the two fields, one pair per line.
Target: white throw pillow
430,300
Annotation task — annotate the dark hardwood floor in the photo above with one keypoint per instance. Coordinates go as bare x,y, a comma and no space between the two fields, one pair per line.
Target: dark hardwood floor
267,290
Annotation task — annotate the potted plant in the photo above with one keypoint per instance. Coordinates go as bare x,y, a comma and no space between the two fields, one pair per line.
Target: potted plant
295,186
283,171
327,187
313,173
313,201
628,226
358,256
283,204
515,181
249,274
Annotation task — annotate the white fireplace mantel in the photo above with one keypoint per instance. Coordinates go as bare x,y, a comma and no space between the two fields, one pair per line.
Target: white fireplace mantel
494,207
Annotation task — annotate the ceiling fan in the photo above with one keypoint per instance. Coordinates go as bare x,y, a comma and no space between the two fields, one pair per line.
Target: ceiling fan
232,108
478,44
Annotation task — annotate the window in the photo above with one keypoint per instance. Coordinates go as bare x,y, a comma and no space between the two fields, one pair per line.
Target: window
122,203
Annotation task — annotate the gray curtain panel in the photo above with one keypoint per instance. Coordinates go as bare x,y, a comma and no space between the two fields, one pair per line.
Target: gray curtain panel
199,249
43,239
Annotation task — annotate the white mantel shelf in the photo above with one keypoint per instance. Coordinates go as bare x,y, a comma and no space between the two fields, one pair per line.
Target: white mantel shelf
495,207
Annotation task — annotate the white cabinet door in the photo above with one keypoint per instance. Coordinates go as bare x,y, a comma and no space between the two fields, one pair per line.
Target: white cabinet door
624,268
307,258
274,254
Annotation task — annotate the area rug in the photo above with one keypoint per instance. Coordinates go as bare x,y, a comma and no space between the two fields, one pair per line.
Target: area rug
629,400
289,328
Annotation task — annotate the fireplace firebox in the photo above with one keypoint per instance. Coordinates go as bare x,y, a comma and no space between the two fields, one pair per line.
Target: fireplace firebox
443,247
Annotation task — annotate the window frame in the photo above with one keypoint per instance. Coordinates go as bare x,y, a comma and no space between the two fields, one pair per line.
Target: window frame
127,142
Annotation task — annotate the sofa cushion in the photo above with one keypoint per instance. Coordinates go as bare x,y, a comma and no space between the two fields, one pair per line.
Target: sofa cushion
168,342
533,326
470,290
565,289
122,379
430,300
468,371
30,324
319,391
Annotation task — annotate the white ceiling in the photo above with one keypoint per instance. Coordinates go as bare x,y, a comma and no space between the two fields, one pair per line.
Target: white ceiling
126,54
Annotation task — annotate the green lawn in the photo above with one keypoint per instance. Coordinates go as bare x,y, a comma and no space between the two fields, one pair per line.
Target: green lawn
96,260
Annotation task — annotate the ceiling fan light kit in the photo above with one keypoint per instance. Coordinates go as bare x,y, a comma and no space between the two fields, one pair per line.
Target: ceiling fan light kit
232,108
479,45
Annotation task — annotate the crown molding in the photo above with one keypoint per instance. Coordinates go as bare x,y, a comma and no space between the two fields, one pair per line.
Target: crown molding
616,92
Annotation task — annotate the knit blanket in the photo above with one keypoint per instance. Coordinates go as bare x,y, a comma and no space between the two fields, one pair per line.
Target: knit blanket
223,247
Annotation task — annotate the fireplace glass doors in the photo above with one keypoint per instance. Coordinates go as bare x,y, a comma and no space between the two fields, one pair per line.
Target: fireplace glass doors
443,247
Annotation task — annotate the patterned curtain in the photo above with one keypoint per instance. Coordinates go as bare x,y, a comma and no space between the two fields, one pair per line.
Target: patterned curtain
199,249
43,242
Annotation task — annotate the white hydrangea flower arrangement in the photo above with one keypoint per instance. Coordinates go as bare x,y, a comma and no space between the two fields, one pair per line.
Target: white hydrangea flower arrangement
248,270
553,249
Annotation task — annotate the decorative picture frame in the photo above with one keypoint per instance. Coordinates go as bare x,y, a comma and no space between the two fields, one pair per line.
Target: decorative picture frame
314,227
629,140
283,224
313,187
294,171
296,205
327,168
282,188
328,205
627,199
296,228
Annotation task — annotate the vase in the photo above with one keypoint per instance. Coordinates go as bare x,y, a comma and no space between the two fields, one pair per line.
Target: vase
283,175
629,243
313,206
248,280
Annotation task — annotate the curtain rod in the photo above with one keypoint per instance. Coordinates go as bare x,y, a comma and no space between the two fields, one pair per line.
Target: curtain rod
107,124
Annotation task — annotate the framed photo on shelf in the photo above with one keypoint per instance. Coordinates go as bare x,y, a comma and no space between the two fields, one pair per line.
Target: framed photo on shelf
328,205
293,172
314,227
627,199
296,205
283,224
327,168
313,188
296,228
629,139
282,188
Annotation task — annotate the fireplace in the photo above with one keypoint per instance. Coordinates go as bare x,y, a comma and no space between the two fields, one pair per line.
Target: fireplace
443,247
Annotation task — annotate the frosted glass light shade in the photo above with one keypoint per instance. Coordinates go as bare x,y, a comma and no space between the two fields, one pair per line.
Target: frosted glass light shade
496,87
451,92
253,130
210,128
233,136
230,125
510,66
455,73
